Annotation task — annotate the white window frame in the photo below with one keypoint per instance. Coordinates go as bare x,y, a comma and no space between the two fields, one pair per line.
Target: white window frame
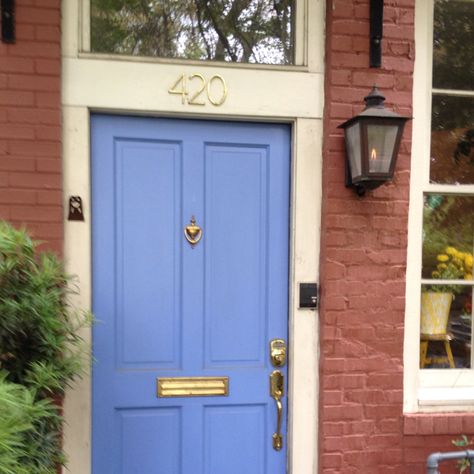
260,93
428,390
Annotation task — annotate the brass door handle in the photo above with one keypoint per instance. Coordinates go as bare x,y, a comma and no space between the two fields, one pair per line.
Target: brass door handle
277,387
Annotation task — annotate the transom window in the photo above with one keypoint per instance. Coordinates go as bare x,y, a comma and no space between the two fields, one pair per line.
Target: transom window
247,31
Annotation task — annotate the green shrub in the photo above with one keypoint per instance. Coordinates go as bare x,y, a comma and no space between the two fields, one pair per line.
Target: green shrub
39,346
20,418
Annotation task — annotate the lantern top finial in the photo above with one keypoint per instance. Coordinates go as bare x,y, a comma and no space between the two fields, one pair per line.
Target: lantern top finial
374,99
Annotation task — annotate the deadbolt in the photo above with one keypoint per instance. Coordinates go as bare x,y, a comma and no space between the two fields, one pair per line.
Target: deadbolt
278,352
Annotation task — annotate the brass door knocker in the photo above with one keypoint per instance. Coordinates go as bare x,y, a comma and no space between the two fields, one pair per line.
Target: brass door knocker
193,232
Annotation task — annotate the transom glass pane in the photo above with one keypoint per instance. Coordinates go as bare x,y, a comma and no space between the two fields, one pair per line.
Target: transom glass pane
252,31
452,140
453,54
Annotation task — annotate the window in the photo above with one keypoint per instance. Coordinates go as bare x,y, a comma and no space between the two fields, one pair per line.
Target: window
442,209
249,31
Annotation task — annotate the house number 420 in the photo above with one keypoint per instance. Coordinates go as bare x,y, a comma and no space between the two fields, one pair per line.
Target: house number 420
195,89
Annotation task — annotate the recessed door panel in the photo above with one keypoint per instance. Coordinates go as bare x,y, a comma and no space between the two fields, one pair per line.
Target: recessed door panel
190,283
243,451
236,259
149,440
147,253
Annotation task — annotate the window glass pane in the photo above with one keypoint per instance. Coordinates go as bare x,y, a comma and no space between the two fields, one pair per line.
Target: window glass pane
452,140
448,228
445,327
254,31
453,54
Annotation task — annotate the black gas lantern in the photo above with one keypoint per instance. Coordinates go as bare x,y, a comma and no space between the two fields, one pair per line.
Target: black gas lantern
372,142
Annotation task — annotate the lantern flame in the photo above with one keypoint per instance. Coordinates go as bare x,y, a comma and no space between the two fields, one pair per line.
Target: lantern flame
373,154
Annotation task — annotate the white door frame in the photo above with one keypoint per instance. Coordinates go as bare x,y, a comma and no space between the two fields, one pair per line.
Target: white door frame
139,86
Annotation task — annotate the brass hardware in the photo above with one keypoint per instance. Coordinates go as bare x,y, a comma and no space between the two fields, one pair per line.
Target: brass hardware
193,386
278,352
193,232
195,88
277,389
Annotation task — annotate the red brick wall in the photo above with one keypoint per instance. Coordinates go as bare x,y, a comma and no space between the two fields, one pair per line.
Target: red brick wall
30,122
363,260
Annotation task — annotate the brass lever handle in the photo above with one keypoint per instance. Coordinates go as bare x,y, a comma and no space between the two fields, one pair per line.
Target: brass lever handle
277,386
277,438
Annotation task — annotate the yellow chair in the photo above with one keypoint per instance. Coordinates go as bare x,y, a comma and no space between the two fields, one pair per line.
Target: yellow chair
425,339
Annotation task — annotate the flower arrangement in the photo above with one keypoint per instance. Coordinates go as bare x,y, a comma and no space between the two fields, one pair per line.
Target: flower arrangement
452,264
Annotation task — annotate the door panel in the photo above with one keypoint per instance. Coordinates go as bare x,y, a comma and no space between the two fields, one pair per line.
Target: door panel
146,245
223,453
235,263
149,440
168,309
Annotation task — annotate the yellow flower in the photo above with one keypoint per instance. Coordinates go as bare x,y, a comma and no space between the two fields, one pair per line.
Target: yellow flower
450,250
468,276
441,266
468,260
442,258
435,274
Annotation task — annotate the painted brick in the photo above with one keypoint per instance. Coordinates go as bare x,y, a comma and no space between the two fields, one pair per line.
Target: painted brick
48,100
50,67
17,132
30,130
25,32
35,180
34,49
33,83
38,16
17,196
363,257
15,64
34,115
19,99
47,33
17,164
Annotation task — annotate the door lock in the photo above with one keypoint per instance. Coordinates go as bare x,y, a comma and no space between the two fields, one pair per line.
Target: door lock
278,352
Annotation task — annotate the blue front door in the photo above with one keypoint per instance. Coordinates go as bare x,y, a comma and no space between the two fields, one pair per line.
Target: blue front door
169,310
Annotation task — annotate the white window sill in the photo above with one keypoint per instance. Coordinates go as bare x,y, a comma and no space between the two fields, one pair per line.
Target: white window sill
436,399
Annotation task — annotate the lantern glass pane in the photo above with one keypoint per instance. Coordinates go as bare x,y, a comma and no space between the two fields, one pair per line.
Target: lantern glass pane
381,142
353,149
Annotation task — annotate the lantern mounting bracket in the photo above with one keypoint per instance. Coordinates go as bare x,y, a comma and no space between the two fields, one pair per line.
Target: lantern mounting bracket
376,32
7,15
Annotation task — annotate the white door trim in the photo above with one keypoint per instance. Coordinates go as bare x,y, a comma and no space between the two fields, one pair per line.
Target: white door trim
138,87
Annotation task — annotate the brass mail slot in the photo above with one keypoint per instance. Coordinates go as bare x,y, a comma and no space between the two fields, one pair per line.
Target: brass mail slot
193,386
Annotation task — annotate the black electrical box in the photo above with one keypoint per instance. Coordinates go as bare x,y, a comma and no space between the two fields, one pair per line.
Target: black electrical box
308,295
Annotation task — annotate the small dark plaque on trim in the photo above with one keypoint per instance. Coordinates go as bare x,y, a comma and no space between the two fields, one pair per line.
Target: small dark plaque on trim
76,212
